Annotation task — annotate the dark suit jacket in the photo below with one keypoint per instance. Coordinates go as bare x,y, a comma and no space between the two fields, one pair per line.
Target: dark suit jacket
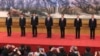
22,22
92,24
5,52
72,54
87,54
50,53
62,23
8,22
77,23
48,23
34,22
62,54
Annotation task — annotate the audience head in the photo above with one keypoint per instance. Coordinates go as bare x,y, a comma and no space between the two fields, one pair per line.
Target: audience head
38,49
41,55
22,45
50,47
61,50
73,48
88,49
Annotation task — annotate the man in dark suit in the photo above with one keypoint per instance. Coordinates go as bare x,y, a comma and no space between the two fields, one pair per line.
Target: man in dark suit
51,51
49,24
62,24
9,24
61,51
22,23
87,52
77,25
92,25
34,23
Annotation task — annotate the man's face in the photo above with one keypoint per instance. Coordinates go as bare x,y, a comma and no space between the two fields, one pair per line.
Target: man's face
21,15
34,14
48,15
62,16
92,16
8,15
77,16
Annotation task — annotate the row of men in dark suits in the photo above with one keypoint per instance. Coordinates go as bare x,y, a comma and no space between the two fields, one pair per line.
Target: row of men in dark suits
49,24
22,23
92,26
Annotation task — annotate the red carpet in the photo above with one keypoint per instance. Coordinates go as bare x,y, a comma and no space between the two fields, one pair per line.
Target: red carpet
55,40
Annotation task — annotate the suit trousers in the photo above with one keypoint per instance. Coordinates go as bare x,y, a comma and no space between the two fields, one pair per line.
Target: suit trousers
62,31
34,31
77,33
92,33
9,30
23,31
49,33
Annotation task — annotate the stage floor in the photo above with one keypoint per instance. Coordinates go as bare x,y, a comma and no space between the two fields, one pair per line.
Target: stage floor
55,40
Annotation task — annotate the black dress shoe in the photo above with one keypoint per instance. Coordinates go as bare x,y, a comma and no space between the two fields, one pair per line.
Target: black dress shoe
48,37
62,37
9,35
34,35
